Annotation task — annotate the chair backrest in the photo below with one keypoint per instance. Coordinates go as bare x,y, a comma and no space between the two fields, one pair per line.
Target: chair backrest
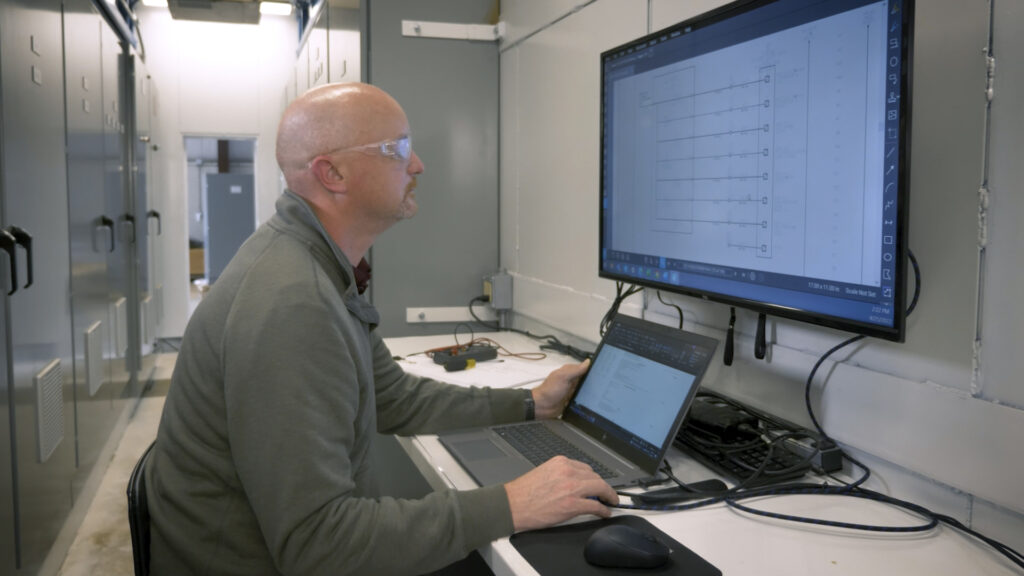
138,514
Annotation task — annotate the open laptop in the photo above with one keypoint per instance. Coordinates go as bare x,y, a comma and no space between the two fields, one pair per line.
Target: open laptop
621,419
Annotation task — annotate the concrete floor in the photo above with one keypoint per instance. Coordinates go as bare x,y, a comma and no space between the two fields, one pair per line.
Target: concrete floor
103,543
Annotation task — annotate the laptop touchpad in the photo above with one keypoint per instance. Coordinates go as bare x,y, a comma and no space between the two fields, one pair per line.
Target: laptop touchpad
482,449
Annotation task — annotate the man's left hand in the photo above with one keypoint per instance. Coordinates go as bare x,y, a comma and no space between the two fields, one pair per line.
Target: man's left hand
553,394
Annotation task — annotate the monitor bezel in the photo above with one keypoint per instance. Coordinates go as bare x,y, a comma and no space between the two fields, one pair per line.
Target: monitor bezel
896,332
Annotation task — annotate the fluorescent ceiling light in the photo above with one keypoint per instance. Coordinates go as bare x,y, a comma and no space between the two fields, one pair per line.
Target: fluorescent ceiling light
276,8
155,3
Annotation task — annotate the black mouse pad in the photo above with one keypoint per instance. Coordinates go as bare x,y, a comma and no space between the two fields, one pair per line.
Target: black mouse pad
559,551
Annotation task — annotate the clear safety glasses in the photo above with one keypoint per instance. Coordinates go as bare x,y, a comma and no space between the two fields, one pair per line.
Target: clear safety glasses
399,148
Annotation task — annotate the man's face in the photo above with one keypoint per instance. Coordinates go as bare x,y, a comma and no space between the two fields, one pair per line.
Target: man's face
383,174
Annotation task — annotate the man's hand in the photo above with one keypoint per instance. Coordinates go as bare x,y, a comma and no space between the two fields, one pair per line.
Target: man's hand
551,396
556,491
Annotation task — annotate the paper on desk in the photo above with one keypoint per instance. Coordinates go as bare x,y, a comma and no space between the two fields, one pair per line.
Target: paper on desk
502,372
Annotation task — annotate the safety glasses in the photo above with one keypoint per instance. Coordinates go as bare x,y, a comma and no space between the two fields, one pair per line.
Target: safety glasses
399,148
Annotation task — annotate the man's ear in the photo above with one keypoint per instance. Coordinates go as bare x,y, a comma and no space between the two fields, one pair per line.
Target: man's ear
328,175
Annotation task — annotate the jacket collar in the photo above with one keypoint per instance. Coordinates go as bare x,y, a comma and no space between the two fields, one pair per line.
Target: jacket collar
296,217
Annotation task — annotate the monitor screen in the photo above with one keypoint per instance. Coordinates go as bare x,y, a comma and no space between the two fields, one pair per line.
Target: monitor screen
757,155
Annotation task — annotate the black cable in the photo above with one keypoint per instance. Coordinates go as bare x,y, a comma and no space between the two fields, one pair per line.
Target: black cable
621,293
802,464
760,342
472,313
856,489
732,499
472,334
551,342
931,523
728,451
917,282
824,437
730,338
678,309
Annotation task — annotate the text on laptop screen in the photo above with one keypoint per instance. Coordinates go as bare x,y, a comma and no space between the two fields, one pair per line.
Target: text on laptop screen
635,393
637,385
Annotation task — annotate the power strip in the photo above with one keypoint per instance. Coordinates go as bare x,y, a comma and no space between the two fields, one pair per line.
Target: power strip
462,357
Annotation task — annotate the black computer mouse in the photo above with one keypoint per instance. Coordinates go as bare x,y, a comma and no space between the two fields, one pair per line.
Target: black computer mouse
621,546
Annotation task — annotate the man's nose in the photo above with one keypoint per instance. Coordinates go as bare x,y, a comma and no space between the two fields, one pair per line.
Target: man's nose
416,165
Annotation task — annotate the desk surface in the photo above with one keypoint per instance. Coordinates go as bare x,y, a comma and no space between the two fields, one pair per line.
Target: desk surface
735,542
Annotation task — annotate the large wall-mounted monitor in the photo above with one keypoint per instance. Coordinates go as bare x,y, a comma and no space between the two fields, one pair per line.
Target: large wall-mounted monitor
757,155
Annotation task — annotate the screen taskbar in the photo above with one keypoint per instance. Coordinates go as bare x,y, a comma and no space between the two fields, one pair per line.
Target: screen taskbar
857,302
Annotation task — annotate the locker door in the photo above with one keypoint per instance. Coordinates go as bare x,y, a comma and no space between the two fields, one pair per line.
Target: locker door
143,311
318,48
91,235
115,186
34,194
7,551
154,219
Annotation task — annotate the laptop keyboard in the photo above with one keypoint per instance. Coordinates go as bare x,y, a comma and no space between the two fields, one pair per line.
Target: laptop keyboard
538,445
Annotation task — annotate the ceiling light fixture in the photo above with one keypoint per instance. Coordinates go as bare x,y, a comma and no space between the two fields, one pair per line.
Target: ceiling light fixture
276,8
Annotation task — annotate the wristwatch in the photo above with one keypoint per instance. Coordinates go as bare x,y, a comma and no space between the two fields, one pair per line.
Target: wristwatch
530,407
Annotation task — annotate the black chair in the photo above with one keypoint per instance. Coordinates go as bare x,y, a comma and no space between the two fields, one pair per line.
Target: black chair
138,514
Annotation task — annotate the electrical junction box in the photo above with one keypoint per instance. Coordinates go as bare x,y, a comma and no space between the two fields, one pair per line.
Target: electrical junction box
498,287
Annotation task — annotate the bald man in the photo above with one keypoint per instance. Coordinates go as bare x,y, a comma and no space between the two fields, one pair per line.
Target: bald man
262,463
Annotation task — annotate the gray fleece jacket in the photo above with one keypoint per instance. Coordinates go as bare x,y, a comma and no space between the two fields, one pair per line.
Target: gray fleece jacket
262,462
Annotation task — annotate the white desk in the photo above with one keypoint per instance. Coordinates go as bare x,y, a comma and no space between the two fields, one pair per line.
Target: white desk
735,542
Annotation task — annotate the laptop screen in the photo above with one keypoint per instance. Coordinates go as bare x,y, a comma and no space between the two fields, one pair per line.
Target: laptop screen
642,380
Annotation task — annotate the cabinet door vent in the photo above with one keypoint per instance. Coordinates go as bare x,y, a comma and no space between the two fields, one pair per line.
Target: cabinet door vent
49,385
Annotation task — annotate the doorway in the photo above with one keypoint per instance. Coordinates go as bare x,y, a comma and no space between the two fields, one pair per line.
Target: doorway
221,205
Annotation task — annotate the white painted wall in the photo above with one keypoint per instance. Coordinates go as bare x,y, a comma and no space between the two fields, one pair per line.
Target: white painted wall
933,427
210,79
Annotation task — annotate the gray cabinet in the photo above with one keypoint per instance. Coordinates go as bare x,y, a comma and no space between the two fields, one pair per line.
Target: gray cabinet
73,234
91,235
7,543
229,205
38,350
144,225
115,182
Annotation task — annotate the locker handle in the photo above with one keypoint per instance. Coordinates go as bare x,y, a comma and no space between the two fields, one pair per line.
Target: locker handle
109,225
159,223
22,237
130,219
7,244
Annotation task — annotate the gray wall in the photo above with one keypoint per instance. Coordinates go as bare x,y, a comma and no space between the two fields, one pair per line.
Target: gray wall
938,422
449,89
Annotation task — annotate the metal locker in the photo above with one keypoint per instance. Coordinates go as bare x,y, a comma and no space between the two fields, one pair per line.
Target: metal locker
35,213
318,50
140,313
7,547
115,184
91,236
